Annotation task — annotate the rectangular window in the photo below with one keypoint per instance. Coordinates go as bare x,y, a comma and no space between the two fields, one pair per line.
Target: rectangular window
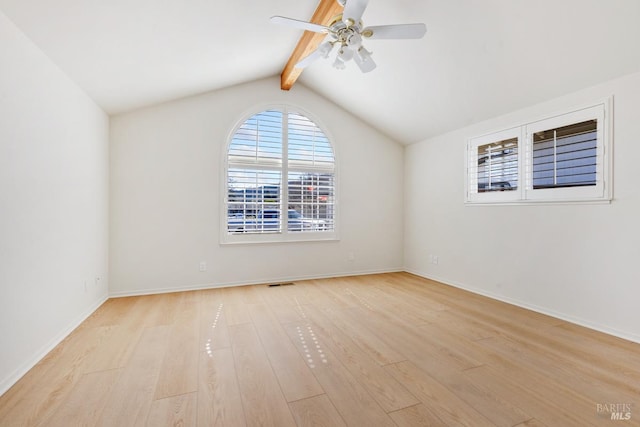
493,173
498,166
564,158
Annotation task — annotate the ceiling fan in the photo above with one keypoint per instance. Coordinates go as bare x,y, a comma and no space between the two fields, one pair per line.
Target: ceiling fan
345,34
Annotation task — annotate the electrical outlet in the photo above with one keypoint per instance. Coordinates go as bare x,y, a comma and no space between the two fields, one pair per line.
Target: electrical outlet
203,266
351,257
85,286
435,259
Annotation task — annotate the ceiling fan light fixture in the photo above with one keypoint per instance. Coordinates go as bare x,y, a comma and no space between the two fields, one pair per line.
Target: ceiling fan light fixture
364,54
325,49
345,54
363,59
339,64
354,40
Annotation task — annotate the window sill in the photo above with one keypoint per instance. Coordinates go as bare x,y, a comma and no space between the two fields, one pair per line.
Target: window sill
540,202
277,238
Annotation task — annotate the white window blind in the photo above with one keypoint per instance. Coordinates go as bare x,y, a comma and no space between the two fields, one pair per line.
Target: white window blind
493,171
280,179
258,140
498,166
250,194
308,145
565,156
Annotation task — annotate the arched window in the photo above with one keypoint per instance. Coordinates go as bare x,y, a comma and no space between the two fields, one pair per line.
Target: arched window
280,180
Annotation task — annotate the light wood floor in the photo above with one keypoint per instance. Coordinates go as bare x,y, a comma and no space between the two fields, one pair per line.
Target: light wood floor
371,351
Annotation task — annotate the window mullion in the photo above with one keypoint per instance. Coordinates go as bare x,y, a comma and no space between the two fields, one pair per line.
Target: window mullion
284,200
555,157
523,162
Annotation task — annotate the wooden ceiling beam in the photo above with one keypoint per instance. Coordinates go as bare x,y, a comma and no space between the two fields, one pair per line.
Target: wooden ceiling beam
309,42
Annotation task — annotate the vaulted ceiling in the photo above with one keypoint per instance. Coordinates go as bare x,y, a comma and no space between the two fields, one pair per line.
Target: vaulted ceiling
478,60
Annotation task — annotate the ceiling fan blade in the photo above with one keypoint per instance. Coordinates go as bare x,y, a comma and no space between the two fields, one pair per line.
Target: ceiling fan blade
307,60
302,25
354,9
400,31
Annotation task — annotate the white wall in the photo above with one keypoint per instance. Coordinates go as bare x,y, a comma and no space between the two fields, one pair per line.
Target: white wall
53,204
165,196
578,262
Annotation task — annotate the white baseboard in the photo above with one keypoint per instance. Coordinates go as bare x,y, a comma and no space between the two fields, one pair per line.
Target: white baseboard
626,335
15,376
155,291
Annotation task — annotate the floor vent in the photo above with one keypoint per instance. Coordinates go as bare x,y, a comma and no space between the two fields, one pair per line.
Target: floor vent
281,284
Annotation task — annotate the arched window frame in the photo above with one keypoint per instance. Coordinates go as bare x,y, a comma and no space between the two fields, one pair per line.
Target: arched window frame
284,234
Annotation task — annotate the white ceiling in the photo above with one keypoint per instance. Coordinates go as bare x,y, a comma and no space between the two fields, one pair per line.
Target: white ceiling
479,59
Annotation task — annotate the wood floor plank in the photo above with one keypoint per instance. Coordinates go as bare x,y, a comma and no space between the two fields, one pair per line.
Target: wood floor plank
584,347
287,313
113,312
85,402
236,314
214,334
405,295
409,342
520,390
173,411
463,326
114,352
179,372
295,378
317,411
436,397
219,401
316,291
495,408
389,393
354,294
364,337
249,294
356,406
562,369
263,401
283,301
531,423
132,395
163,308
457,349
416,416
47,386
